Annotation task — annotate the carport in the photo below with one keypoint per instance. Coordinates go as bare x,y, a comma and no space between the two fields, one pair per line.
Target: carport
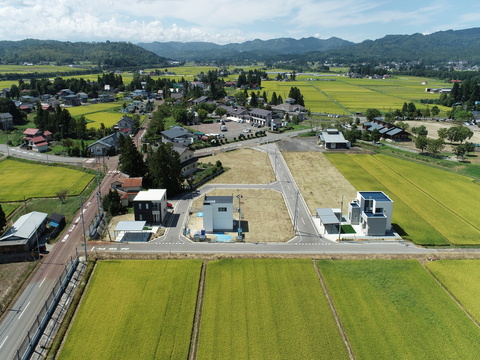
329,220
131,231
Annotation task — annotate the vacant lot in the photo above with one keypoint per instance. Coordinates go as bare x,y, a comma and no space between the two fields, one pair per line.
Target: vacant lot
136,310
430,206
394,309
460,277
12,275
266,309
264,214
320,183
26,180
244,166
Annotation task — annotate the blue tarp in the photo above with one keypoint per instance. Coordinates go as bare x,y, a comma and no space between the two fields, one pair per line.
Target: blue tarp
54,224
200,214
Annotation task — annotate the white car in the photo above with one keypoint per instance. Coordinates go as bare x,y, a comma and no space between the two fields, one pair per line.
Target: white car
246,130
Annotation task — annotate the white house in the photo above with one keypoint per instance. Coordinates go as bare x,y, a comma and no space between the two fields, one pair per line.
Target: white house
333,139
151,206
218,213
188,161
373,211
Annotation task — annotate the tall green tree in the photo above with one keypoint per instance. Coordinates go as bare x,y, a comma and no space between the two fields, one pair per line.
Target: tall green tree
372,113
130,160
3,219
164,169
421,143
112,204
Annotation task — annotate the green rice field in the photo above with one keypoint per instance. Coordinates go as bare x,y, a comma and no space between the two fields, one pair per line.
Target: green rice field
394,309
431,206
136,309
266,309
460,277
26,180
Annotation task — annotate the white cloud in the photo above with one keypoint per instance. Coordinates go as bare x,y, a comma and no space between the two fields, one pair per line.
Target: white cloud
221,21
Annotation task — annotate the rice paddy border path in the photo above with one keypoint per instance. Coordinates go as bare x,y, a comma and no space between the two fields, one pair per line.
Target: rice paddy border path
334,311
450,294
192,352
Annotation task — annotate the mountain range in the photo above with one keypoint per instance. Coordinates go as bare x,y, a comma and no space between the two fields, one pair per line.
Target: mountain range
442,46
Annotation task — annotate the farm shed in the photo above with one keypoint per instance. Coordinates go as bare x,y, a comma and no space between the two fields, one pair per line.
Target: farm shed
329,219
24,234
218,213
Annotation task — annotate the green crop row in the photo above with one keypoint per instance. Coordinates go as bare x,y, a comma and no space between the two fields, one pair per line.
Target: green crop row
266,309
394,309
136,309
406,220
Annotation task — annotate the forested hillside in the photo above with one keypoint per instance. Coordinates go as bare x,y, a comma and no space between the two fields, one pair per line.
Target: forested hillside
107,54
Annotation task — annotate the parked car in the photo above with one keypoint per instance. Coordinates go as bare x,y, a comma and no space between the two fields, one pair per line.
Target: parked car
246,130
169,205
223,128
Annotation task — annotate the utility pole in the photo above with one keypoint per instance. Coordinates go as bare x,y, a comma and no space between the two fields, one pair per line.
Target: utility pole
83,230
239,234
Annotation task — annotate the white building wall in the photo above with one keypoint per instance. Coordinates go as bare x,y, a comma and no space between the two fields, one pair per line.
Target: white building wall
216,220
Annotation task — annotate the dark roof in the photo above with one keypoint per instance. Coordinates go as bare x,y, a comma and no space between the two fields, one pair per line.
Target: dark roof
175,132
218,199
375,195
56,218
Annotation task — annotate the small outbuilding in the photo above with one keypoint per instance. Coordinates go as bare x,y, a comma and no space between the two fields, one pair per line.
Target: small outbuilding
25,233
218,213
330,220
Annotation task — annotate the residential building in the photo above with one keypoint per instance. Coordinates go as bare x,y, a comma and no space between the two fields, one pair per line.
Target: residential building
387,130
128,188
218,213
261,117
289,107
107,145
178,134
125,124
373,211
333,139
6,121
188,161
151,206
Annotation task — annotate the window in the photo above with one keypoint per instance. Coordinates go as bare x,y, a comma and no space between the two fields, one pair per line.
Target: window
140,206
146,206
222,209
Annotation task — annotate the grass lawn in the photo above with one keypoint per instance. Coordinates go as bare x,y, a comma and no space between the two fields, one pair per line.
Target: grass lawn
244,166
460,277
394,309
27,180
266,309
264,214
9,208
136,309
322,185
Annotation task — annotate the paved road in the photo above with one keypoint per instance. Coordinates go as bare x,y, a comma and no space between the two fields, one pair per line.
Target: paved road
21,315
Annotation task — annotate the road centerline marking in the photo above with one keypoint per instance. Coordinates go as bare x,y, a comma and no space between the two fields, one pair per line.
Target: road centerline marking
24,310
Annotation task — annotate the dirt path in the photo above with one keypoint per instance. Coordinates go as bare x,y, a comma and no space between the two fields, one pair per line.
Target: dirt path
192,352
334,311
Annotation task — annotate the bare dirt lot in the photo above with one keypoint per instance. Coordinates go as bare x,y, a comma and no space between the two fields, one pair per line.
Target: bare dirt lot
244,166
11,278
264,215
319,181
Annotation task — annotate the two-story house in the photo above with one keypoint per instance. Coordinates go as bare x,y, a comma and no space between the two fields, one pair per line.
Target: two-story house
151,206
6,121
373,211
188,161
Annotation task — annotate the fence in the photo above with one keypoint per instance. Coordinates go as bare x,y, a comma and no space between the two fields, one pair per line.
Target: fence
28,345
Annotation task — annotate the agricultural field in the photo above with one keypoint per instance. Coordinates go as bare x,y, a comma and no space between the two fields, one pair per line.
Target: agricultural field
323,185
21,69
136,309
266,309
9,208
460,277
394,309
26,180
244,166
431,206
264,215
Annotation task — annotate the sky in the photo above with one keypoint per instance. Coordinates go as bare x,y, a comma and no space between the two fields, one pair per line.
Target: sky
223,21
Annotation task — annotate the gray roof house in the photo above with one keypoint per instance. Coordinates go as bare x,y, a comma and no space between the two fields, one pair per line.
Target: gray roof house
372,210
333,139
261,116
24,233
178,134
125,124
188,161
6,121
107,145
